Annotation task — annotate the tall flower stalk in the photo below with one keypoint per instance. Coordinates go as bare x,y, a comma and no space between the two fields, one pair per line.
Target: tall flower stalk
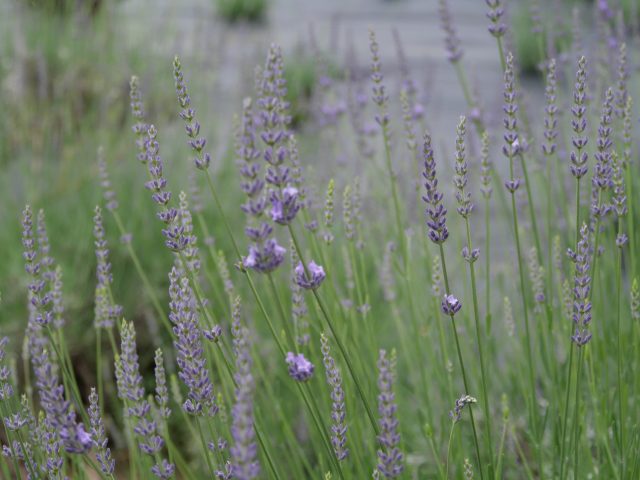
511,150
438,233
471,255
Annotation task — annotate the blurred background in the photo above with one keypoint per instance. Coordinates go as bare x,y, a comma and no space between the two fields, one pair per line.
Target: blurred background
65,67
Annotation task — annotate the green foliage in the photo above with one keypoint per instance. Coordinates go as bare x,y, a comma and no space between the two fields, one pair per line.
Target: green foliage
233,11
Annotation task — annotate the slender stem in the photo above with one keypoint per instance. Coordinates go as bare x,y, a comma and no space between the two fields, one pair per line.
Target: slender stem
566,411
334,333
487,265
621,421
576,446
464,375
476,315
453,424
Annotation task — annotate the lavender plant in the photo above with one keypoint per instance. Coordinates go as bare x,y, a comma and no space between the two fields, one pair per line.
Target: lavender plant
341,363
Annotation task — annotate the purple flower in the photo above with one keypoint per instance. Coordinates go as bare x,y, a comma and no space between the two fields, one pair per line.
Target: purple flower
192,127
190,254
56,298
6,388
497,27
190,354
244,450
310,277
39,297
130,389
622,95
105,182
450,305
579,157
581,289
551,111
536,274
299,310
162,392
338,413
106,311
451,40
284,206
252,184
100,441
603,170
436,212
140,127
175,239
264,258
58,410
485,167
462,402
461,177
619,199
379,93
390,457
512,146
300,369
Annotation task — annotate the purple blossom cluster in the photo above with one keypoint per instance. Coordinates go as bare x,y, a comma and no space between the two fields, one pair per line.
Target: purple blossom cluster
300,369
435,211
244,450
138,409
173,231
581,289
107,312
512,146
390,457
338,411
190,354
579,156
192,126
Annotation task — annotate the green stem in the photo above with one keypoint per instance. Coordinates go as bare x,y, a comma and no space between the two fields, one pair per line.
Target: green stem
337,338
476,315
464,374
566,411
621,421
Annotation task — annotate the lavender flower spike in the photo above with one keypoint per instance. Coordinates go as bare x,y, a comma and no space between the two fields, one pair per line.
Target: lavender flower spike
105,182
137,111
338,414
461,177
389,455
451,40
463,401
106,311
130,389
39,298
162,392
579,157
175,239
190,355
192,126
551,111
495,14
581,289
603,170
245,465
380,97
100,441
485,167
450,305
309,277
436,212
511,147
300,369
